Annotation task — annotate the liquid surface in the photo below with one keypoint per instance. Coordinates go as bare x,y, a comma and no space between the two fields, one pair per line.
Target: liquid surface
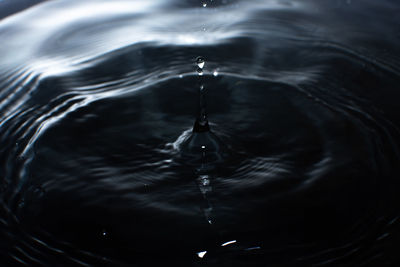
294,161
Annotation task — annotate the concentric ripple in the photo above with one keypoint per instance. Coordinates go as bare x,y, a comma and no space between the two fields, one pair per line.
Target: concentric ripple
98,101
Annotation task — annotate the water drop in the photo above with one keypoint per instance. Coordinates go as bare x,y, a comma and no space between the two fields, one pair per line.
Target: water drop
215,73
201,254
200,61
204,4
181,76
200,71
104,233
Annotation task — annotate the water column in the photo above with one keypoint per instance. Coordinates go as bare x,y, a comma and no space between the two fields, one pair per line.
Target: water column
201,126
202,149
201,123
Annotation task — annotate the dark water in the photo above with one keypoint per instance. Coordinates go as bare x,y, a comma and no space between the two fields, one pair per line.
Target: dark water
99,165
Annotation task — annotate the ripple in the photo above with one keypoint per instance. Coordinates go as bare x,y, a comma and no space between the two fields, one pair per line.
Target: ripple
96,147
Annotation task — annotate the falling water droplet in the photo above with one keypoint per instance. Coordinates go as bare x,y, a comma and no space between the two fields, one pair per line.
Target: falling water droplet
104,233
200,61
215,73
204,4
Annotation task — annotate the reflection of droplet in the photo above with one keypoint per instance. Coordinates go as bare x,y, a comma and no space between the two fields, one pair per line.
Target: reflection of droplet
200,61
201,254
201,87
200,71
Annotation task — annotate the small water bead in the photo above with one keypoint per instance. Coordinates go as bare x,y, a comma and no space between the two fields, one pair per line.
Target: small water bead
215,73
204,4
104,233
201,254
200,61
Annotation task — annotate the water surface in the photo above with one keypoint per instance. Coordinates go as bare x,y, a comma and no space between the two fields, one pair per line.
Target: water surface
100,165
